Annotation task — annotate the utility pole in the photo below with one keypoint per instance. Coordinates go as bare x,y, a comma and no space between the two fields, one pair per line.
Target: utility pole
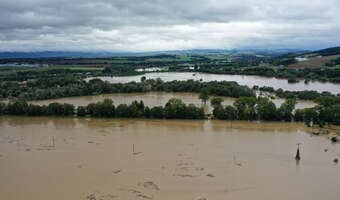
297,156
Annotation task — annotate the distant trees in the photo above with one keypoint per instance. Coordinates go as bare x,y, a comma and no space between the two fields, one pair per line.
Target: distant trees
56,88
64,87
303,95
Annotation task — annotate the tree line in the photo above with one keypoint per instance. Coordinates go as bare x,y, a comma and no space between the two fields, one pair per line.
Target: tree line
244,108
173,109
68,86
262,108
302,95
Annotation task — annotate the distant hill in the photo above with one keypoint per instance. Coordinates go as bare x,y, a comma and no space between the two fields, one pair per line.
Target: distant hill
75,54
59,54
328,51
316,59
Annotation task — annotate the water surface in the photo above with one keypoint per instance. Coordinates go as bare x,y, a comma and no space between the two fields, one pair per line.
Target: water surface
66,158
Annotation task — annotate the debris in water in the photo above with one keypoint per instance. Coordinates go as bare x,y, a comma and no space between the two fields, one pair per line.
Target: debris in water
144,196
334,139
184,175
135,191
107,197
116,171
335,160
91,197
210,175
149,185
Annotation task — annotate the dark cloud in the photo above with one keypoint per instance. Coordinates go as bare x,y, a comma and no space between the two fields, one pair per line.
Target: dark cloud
144,25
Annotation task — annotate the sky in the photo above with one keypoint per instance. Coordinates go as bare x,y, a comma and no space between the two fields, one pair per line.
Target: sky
160,25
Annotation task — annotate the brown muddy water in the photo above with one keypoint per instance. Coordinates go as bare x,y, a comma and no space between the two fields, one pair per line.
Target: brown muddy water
93,159
154,99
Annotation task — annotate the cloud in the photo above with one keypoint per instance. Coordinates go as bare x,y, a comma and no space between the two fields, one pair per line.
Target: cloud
151,25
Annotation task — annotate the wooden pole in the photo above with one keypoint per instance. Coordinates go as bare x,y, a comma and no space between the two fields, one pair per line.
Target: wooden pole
297,156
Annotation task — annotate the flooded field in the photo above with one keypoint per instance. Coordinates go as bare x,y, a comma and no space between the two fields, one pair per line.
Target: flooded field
241,79
153,99
103,159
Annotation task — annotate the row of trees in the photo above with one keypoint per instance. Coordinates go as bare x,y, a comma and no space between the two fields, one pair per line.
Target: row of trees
244,108
173,109
252,108
63,87
50,88
23,108
262,108
302,95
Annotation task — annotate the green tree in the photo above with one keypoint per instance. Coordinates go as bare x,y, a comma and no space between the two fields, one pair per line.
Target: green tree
157,112
246,108
266,109
216,101
194,112
285,112
81,111
219,112
175,108
3,108
311,116
104,109
299,115
204,95
17,108
230,112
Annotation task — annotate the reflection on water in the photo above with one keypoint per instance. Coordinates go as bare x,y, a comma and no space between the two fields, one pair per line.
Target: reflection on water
178,159
241,79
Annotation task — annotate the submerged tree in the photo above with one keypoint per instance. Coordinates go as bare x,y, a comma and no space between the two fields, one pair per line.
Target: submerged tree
204,95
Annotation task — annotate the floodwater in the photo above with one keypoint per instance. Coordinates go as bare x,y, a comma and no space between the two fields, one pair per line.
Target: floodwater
153,99
103,159
241,79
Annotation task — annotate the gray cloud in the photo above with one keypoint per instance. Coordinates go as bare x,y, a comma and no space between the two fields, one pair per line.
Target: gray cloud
148,25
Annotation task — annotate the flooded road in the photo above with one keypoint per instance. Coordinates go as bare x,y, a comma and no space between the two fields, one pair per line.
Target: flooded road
153,99
67,158
240,79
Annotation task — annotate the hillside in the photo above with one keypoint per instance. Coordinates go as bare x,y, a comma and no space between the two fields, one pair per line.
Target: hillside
328,51
316,59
